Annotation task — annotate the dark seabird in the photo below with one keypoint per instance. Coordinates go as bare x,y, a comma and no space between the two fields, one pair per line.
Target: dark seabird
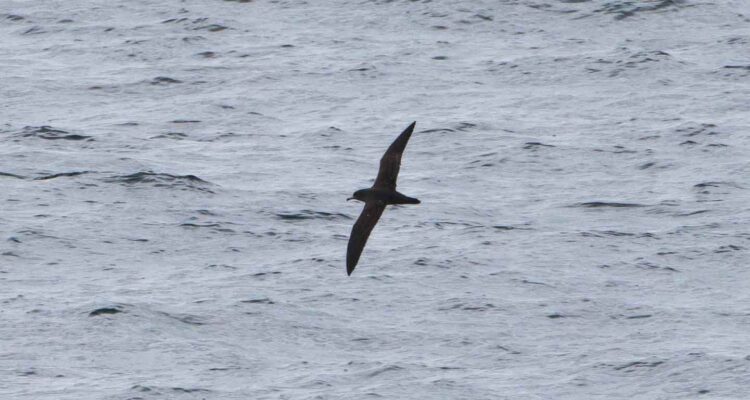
382,193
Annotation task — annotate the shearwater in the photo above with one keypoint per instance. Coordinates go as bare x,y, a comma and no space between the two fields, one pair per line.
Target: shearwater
382,193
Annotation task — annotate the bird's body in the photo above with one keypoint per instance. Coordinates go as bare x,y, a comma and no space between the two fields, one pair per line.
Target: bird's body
382,193
384,196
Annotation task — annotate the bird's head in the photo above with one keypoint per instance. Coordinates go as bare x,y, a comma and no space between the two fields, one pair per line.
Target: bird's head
360,195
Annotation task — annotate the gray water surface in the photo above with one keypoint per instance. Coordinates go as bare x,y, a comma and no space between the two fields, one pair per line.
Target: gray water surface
173,177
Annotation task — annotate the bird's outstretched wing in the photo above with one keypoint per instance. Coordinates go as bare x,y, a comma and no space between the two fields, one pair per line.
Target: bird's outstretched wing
361,231
391,161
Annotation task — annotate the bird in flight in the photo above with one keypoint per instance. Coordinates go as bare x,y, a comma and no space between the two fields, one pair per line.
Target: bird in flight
382,193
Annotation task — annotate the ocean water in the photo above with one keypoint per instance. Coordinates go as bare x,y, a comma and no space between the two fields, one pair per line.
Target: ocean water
173,177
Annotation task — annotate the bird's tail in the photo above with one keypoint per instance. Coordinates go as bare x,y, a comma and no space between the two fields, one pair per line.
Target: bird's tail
407,200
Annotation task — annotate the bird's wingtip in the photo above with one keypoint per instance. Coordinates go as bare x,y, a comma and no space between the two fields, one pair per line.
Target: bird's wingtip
409,129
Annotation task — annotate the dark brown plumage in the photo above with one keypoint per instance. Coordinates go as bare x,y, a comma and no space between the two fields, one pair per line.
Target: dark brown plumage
382,193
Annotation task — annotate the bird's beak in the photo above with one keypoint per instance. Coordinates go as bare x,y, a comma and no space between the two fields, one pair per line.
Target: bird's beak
351,198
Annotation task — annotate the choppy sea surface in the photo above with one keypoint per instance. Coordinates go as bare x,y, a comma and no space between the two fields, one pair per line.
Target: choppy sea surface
173,177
